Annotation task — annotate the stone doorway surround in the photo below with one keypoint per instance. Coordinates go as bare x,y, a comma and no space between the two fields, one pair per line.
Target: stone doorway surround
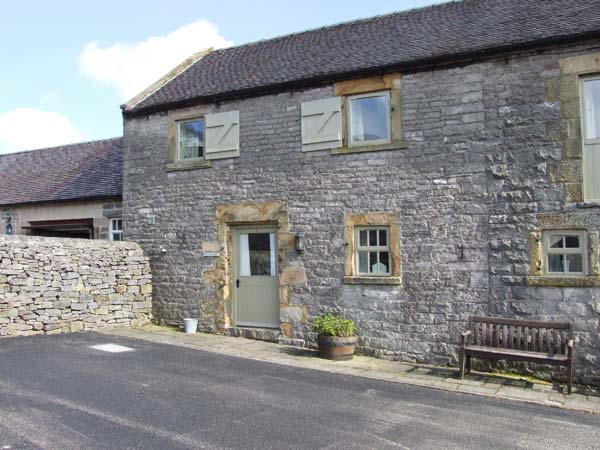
292,316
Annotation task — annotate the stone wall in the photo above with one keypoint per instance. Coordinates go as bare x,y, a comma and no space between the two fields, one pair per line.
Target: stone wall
483,165
55,285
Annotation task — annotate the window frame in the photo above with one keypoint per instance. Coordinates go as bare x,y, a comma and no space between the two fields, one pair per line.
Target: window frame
581,250
348,101
358,248
178,124
112,232
582,81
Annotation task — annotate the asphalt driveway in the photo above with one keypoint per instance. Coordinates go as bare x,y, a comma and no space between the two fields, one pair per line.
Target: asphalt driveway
56,392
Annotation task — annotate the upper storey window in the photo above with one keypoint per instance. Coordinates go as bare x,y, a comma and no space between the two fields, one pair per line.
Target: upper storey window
590,92
364,115
190,139
369,118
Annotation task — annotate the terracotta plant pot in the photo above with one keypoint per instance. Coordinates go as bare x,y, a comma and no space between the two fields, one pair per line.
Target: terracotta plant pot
337,348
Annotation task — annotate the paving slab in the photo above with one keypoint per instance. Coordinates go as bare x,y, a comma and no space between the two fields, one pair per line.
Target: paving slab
585,399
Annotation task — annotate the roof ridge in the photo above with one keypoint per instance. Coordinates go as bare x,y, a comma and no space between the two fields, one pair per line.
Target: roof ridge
65,146
341,24
166,79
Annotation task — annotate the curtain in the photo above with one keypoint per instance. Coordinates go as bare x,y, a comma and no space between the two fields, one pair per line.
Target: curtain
273,255
358,128
244,256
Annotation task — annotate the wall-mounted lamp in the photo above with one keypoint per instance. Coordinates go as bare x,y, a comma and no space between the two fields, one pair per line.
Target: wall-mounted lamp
300,244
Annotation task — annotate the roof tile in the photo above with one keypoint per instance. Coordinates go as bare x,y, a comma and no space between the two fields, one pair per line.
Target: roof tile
398,39
70,172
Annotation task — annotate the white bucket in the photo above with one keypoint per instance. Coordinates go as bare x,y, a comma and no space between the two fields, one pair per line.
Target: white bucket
190,325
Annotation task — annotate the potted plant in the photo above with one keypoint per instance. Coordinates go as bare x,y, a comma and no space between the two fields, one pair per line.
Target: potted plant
337,338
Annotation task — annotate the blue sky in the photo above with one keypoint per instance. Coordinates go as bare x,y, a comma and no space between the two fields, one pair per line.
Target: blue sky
68,65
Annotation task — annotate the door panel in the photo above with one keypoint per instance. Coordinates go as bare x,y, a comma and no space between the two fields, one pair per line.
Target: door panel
256,277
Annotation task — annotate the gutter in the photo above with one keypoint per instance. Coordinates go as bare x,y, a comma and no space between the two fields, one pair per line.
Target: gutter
70,200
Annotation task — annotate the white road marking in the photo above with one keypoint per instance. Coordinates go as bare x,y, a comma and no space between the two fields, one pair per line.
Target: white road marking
112,348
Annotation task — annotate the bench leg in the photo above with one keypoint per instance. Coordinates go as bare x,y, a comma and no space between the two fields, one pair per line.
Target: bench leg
569,376
462,364
469,364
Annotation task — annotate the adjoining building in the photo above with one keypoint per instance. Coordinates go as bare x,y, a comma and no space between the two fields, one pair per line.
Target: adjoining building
407,170
69,191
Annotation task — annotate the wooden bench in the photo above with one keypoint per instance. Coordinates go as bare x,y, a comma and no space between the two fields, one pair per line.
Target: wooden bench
518,340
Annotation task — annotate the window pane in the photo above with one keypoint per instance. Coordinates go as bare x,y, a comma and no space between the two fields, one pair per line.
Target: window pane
384,262
363,238
373,262
191,139
259,247
117,237
382,238
572,241
373,238
573,263
555,263
369,118
556,242
363,266
591,99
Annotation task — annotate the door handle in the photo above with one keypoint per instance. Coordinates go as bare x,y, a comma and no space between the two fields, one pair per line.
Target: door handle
237,283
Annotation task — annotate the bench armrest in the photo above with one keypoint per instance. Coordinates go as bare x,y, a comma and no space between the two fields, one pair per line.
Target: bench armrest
465,337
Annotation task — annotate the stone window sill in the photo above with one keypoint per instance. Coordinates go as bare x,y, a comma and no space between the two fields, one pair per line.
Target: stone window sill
385,281
369,148
587,205
188,165
554,281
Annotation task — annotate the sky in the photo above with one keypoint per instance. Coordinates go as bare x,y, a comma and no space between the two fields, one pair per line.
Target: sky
68,65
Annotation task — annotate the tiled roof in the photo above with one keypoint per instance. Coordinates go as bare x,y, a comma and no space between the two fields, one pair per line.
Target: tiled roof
400,40
70,172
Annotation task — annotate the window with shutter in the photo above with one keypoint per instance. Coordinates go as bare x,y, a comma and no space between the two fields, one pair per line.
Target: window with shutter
222,135
322,124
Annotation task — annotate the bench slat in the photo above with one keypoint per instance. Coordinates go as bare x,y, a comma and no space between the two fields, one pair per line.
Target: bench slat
502,353
519,322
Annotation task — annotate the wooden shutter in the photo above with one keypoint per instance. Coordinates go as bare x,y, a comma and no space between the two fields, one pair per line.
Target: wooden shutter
322,124
222,135
591,172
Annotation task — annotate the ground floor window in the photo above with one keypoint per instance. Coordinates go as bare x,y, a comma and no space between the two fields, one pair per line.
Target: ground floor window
564,252
372,248
372,251
116,229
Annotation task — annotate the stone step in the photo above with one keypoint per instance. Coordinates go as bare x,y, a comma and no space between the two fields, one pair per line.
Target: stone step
260,334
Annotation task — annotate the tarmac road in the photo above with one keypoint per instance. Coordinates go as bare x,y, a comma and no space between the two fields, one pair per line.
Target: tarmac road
58,393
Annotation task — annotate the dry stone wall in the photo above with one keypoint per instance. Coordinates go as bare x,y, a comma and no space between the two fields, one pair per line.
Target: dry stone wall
51,285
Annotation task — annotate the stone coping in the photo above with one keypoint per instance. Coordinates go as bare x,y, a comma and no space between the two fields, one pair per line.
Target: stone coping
584,399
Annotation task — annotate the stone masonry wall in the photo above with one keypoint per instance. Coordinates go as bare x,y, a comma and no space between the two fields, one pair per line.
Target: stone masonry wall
52,285
484,161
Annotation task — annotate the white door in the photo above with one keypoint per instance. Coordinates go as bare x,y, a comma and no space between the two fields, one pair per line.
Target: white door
256,282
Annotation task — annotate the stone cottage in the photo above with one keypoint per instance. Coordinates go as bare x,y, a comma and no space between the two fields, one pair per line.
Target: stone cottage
407,170
69,191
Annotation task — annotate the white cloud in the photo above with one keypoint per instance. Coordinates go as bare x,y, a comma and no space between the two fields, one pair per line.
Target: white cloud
50,97
29,128
132,67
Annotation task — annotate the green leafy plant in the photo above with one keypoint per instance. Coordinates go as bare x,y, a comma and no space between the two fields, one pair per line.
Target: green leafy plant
331,325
